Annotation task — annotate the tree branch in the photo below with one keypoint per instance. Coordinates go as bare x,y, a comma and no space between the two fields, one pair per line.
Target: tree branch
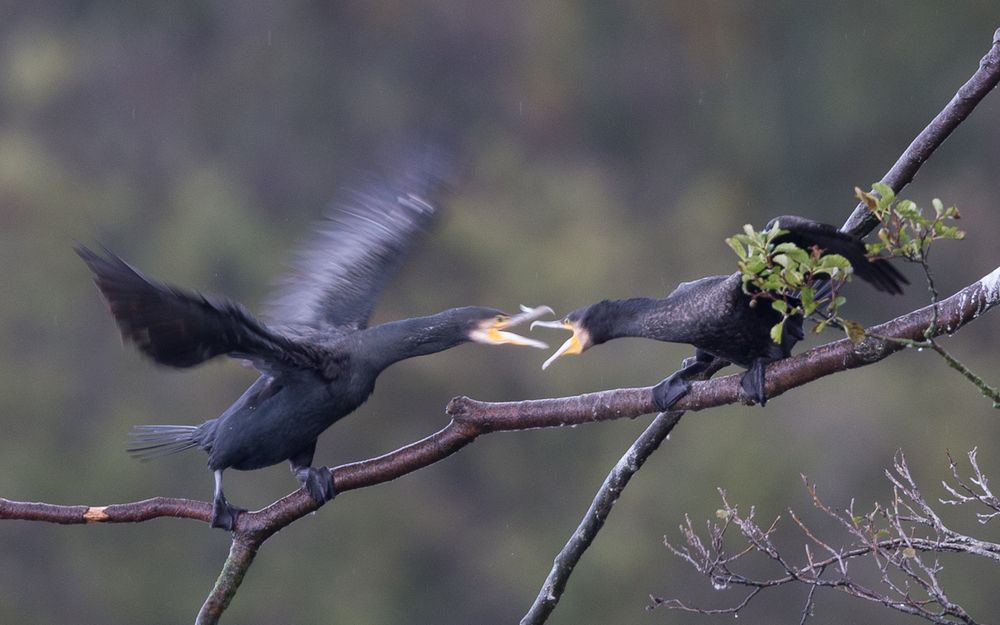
592,522
241,555
472,418
986,78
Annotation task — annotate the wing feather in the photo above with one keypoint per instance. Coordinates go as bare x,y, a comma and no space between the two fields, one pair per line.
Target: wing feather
338,275
182,328
806,233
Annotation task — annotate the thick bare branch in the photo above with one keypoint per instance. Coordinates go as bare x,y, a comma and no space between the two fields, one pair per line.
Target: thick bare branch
133,512
471,418
241,555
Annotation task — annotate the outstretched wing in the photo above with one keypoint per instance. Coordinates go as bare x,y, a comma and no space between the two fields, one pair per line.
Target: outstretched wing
806,233
183,328
338,275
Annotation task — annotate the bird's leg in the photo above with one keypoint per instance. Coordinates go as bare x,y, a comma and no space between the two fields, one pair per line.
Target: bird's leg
223,513
752,381
677,385
317,481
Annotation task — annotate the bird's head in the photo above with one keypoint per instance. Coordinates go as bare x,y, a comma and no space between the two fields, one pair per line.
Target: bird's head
492,327
585,324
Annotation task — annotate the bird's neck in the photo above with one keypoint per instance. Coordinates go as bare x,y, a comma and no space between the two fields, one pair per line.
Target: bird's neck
392,342
612,319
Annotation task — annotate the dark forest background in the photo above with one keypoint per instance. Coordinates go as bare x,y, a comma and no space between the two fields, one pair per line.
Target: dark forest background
608,149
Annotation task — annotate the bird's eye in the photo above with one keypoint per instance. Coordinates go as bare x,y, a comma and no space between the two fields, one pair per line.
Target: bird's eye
500,318
566,321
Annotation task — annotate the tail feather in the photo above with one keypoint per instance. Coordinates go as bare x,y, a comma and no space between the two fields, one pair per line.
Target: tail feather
148,442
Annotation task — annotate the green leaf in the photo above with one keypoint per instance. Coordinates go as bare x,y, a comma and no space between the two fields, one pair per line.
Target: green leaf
793,278
780,305
776,331
808,298
887,195
907,209
755,265
831,261
867,199
793,251
855,331
737,247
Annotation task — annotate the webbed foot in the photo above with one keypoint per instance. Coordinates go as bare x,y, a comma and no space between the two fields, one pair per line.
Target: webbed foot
752,383
318,482
224,514
671,389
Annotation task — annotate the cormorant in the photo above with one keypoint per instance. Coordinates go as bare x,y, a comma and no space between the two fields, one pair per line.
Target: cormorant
715,315
321,363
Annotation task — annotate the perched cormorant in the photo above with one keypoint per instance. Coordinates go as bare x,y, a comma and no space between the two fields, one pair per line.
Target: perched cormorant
321,363
715,315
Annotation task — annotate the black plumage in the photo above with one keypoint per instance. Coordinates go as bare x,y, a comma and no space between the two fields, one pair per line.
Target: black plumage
715,315
320,362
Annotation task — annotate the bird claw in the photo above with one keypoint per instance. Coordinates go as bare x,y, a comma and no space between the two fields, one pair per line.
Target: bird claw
318,482
669,391
752,384
224,514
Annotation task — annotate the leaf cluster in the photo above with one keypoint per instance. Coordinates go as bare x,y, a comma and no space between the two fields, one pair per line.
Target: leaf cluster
795,280
905,231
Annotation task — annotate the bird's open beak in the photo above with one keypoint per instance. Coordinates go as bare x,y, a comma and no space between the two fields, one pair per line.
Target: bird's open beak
495,331
573,345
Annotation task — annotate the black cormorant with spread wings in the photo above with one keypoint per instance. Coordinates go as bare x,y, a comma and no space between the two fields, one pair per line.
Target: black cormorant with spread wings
715,315
321,362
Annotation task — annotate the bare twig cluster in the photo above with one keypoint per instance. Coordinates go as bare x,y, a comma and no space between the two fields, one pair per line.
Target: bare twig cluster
900,541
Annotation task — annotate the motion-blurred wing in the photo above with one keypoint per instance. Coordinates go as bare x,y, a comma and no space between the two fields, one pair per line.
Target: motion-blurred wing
806,233
183,328
338,275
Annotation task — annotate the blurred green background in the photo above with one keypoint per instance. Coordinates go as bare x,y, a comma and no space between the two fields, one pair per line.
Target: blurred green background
609,150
